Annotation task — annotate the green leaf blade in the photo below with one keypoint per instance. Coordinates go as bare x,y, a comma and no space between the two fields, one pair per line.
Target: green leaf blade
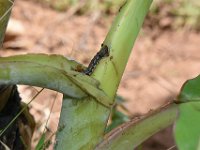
190,90
187,126
41,142
5,11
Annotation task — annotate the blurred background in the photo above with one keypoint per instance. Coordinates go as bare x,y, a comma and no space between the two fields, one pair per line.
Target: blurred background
164,56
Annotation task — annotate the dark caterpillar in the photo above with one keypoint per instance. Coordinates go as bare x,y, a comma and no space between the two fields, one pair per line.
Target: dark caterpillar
93,63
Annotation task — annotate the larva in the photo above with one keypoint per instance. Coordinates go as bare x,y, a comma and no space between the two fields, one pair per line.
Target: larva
104,52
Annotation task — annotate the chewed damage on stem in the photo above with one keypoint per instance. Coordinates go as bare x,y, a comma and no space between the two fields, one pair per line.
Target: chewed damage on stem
104,52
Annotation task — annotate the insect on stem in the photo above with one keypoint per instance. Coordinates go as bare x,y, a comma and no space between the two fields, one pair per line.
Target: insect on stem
104,52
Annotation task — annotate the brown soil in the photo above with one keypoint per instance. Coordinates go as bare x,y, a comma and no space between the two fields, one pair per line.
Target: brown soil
160,63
